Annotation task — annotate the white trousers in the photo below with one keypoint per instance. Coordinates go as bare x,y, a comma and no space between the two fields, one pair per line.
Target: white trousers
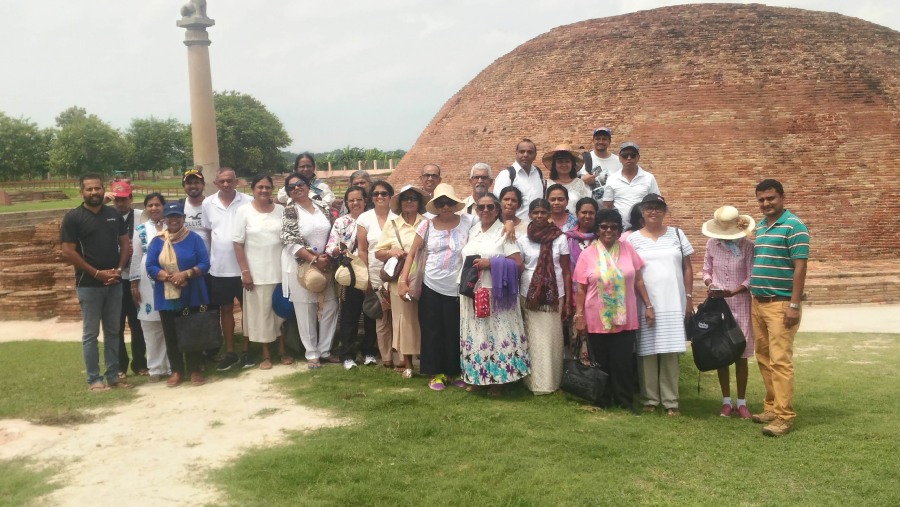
157,360
317,342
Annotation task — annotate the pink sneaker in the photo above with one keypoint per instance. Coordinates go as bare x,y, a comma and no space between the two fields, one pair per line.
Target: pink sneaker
726,410
743,412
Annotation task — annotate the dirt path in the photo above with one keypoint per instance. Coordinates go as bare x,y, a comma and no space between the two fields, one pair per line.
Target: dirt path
154,450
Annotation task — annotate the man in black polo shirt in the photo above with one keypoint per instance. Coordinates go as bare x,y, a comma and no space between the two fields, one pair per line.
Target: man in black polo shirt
95,240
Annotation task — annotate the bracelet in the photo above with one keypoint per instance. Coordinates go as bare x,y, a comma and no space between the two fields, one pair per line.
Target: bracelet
691,296
579,315
96,272
649,307
245,271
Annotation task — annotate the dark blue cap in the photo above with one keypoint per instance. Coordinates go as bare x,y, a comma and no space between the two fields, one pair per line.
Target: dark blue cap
173,208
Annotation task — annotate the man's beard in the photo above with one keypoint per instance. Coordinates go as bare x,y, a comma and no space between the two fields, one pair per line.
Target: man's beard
480,191
94,200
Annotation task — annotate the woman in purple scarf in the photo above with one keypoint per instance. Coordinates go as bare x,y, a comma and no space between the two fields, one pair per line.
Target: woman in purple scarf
493,349
579,238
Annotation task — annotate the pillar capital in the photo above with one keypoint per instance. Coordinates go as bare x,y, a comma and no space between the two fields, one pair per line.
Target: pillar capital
195,30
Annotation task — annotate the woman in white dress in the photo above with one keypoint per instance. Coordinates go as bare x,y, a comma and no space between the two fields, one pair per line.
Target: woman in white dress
563,163
142,286
669,277
546,290
257,246
368,234
304,233
493,349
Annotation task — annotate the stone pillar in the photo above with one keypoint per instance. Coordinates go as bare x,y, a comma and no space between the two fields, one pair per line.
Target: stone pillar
203,112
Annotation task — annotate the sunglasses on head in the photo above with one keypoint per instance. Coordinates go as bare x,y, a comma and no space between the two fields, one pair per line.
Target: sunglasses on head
628,154
486,207
380,193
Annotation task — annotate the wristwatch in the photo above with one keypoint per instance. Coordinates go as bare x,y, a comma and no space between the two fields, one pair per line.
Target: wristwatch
795,306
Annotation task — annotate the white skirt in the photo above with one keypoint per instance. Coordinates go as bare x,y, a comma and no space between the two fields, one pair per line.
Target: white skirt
261,323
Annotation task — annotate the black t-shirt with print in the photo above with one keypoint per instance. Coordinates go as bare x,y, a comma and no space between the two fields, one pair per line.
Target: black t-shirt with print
96,238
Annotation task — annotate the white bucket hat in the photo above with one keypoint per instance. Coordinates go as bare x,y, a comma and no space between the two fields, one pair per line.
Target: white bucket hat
727,223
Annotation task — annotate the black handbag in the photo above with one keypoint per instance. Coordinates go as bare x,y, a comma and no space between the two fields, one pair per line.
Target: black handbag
468,277
198,329
584,381
716,339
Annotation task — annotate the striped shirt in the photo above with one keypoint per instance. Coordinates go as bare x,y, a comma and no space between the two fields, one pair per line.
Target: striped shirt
776,247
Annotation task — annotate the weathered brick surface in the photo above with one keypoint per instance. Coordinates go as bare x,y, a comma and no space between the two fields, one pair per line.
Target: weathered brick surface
719,97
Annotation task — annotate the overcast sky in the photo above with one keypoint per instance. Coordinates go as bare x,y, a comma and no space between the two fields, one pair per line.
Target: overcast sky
337,73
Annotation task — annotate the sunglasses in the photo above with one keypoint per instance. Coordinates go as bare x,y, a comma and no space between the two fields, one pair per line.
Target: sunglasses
380,193
444,202
410,197
294,186
628,155
609,227
485,207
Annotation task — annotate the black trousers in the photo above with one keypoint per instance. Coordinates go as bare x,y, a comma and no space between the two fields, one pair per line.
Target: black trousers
613,352
177,359
439,319
347,336
138,345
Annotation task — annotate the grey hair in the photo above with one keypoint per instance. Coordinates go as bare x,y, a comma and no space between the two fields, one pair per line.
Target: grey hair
481,165
357,174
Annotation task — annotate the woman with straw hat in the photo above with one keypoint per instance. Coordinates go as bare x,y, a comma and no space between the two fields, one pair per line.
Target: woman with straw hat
443,238
726,272
563,163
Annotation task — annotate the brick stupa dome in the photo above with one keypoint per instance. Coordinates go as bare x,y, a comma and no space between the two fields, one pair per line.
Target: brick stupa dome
719,96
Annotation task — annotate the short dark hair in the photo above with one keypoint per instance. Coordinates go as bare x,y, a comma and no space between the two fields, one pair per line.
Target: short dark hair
295,175
382,183
587,200
768,183
303,155
154,195
608,215
636,218
260,177
526,140
540,202
89,176
557,186
514,190
354,188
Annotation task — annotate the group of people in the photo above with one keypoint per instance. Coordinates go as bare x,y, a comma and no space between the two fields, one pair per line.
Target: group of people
485,291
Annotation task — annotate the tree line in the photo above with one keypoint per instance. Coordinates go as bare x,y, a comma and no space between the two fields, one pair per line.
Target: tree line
251,140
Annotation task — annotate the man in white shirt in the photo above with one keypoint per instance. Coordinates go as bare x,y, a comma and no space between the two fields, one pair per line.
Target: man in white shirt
194,184
627,187
599,163
525,176
480,176
430,178
219,210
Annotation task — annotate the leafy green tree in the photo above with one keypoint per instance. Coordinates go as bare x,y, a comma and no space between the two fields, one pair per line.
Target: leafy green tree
155,145
250,137
85,143
24,148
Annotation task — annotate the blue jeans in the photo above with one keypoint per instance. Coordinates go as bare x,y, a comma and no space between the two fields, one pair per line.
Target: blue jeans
100,304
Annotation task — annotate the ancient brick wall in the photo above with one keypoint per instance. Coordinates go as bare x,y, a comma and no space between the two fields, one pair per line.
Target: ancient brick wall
719,97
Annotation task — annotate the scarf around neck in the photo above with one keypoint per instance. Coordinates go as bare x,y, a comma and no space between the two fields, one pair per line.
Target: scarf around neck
543,294
169,260
576,238
610,286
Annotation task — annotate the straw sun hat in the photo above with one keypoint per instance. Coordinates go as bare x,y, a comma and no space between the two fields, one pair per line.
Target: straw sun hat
395,200
444,190
547,159
727,223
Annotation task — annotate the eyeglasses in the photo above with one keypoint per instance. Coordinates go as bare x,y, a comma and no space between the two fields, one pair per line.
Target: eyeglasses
653,209
485,207
481,178
294,186
431,176
380,193
628,155
609,227
443,202
410,197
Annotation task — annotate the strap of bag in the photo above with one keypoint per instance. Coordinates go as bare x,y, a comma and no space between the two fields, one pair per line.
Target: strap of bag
397,233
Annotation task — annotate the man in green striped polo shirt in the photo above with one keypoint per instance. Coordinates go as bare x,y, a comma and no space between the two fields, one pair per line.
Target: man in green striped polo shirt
781,250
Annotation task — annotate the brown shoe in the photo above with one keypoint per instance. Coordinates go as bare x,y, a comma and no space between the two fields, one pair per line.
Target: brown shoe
777,428
197,379
765,417
174,380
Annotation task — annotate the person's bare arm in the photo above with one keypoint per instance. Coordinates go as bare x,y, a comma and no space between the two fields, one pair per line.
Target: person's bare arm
792,315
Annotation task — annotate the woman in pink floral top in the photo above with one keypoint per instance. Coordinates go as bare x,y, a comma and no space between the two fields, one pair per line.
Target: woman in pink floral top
726,272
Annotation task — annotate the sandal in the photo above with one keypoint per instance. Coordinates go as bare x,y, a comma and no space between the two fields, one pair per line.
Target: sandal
408,373
122,375
287,360
98,387
313,364
673,412
387,364
459,383
143,373
436,383
266,364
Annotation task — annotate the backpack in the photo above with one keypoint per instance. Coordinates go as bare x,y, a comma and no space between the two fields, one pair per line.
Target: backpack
716,339
512,177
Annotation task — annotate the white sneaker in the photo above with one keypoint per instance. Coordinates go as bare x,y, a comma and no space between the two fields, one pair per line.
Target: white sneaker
349,363
370,360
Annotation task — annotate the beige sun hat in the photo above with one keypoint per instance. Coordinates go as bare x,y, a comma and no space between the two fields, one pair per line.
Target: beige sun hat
728,224
395,199
547,159
444,190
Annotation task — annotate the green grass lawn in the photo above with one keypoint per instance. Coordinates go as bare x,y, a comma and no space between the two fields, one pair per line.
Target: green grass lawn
408,445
